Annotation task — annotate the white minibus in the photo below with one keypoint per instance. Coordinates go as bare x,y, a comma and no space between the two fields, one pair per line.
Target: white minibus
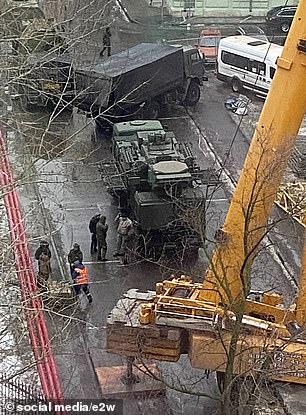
247,62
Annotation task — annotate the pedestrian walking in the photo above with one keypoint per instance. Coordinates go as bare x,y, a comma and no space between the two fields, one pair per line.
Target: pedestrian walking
93,229
101,232
75,254
125,230
80,280
106,42
184,15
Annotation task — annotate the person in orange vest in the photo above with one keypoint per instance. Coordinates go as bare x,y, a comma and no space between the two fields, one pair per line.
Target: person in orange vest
80,280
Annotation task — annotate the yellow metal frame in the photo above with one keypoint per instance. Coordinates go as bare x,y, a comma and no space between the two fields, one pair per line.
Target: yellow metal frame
213,305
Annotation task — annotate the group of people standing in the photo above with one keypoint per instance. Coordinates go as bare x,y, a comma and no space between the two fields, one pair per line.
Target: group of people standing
79,273
98,229
78,270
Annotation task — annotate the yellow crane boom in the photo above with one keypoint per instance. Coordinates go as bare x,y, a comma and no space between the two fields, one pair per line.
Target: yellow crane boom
265,163
200,319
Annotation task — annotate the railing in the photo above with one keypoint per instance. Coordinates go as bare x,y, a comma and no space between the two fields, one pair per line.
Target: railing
14,392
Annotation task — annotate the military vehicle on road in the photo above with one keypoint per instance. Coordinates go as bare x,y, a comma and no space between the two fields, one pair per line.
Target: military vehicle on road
159,183
135,83
141,79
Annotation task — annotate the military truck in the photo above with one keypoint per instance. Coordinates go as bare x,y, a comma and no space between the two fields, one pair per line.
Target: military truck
46,81
140,80
159,183
137,82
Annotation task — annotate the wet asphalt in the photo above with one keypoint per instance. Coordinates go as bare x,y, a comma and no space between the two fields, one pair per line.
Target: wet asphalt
69,191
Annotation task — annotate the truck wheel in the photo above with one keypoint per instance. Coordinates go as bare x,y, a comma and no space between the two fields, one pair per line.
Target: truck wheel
193,94
151,110
236,85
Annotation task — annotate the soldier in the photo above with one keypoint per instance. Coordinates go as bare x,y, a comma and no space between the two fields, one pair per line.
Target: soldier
124,230
43,256
80,280
75,254
44,270
101,231
106,42
43,248
93,229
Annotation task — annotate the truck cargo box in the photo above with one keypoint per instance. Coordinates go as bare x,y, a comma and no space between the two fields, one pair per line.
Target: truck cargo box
131,76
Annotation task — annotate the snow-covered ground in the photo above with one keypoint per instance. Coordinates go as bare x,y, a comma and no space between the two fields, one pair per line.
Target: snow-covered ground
16,358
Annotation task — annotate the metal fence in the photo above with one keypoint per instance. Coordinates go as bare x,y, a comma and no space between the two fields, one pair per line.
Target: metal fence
14,392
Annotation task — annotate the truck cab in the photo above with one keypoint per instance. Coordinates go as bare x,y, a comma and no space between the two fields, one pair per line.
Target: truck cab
193,63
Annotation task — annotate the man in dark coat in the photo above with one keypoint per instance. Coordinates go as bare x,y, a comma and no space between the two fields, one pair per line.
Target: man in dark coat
102,229
43,256
44,271
75,254
43,248
92,227
106,42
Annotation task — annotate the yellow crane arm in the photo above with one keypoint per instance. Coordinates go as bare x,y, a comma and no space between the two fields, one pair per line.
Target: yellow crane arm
186,317
274,138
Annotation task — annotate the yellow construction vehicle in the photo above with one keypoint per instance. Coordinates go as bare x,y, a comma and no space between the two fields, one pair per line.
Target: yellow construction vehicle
217,322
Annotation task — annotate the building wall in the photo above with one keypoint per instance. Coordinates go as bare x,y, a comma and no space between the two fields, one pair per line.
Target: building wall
223,8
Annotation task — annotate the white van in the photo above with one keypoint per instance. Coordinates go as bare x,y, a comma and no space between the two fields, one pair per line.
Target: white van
247,62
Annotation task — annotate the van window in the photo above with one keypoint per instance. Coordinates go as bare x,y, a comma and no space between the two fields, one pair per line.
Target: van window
242,62
272,72
257,67
234,60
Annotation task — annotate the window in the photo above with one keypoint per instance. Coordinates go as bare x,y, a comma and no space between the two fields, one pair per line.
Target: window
194,57
209,42
189,4
272,72
287,12
234,60
256,42
256,67
241,62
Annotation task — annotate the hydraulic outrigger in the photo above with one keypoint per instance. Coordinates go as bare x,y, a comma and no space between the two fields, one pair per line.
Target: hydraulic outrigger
198,319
